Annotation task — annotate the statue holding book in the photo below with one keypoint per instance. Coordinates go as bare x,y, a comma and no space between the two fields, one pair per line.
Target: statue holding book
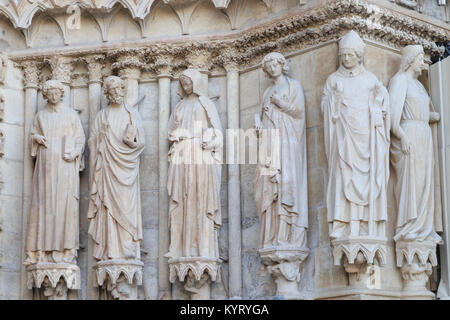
57,142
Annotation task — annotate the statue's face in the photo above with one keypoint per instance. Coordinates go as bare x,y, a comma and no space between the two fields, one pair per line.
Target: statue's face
54,95
115,93
273,68
187,84
418,64
349,59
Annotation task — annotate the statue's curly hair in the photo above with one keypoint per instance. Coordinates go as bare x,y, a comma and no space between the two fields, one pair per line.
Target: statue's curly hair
110,80
278,57
52,84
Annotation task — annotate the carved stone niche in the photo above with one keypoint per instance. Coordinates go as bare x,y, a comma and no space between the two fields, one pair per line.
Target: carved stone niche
415,260
53,280
119,279
361,258
284,264
197,273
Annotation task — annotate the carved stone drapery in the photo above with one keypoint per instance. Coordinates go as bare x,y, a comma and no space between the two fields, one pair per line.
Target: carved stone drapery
281,189
357,151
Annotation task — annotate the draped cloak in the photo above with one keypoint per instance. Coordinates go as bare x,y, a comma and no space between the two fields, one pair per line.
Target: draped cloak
194,177
347,126
53,218
414,172
115,202
281,192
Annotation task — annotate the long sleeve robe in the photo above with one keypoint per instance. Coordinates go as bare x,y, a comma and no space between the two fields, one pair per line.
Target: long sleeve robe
347,126
115,202
53,218
281,191
414,187
194,180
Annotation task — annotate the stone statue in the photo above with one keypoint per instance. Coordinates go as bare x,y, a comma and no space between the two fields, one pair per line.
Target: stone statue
356,123
57,142
116,142
413,154
281,178
194,186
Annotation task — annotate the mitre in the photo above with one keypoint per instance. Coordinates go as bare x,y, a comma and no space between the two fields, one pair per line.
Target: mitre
351,40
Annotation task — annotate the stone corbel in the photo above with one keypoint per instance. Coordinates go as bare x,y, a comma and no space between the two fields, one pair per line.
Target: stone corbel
360,256
54,279
415,260
31,69
94,64
61,68
197,273
119,278
284,264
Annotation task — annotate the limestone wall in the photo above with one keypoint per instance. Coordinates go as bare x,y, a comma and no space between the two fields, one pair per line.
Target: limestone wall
312,56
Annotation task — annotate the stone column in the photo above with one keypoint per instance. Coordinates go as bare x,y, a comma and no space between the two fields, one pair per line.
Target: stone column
234,188
440,95
164,79
62,70
128,66
94,64
31,81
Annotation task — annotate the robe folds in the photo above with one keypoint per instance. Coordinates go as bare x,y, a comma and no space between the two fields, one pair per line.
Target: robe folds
115,202
414,172
53,218
194,179
351,119
281,192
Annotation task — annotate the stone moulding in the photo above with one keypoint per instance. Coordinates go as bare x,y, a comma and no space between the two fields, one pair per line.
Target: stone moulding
54,272
198,265
112,269
350,247
406,251
298,29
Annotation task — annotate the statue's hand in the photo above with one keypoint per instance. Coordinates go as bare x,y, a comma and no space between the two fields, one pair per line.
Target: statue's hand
435,117
277,100
406,145
40,140
69,156
129,142
208,145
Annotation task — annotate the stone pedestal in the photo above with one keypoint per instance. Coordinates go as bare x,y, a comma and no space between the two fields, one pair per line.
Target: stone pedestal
361,258
53,280
415,260
197,273
284,264
119,278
